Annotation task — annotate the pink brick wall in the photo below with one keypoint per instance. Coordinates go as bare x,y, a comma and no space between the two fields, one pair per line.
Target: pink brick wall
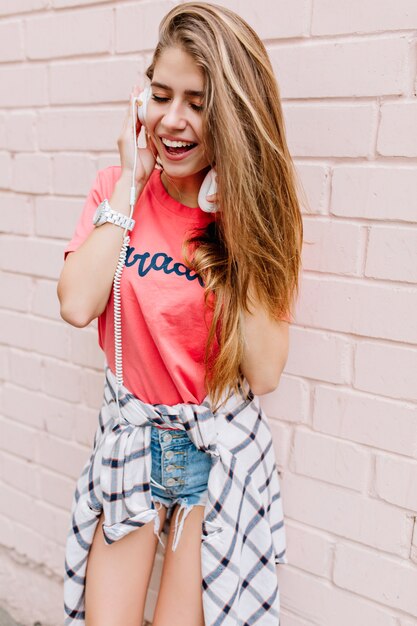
344,417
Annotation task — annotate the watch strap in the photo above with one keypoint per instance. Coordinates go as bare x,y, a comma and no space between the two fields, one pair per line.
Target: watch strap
114,217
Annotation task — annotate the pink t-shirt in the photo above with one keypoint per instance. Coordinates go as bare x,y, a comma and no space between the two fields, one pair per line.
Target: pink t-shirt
164,321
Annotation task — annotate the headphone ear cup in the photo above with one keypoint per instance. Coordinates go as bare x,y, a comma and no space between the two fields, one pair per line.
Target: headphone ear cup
143,100
208,188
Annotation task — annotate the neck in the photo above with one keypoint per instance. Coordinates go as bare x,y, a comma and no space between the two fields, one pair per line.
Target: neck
184,189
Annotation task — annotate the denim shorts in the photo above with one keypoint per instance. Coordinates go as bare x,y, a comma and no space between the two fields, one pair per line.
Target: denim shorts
179,474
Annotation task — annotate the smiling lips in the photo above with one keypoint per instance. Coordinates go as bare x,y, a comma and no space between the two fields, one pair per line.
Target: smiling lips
175,151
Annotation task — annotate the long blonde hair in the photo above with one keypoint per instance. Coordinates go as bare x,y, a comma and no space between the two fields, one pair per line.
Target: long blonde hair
256,238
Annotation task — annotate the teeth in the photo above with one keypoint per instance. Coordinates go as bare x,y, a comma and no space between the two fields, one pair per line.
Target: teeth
175,144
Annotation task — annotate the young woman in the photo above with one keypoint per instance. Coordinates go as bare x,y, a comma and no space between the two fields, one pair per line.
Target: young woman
206,298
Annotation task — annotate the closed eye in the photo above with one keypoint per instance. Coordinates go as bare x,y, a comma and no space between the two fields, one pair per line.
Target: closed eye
192,105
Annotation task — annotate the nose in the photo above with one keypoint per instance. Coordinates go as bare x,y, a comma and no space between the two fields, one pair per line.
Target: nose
174,115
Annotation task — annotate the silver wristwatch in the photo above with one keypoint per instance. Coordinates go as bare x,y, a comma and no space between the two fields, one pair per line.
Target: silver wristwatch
104,213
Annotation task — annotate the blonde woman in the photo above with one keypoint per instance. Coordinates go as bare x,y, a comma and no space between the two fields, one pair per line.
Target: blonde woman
205,303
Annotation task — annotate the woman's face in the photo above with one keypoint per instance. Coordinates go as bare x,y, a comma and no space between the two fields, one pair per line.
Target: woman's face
175,113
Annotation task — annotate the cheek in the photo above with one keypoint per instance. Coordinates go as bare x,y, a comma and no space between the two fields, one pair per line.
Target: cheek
150,124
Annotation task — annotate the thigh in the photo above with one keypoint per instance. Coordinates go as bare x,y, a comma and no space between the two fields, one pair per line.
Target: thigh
118,575
179,600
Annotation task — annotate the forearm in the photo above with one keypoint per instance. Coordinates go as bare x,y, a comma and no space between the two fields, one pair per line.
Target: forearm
87,276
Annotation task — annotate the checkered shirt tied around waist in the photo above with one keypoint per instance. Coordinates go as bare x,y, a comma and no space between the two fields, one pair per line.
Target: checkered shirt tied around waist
243,533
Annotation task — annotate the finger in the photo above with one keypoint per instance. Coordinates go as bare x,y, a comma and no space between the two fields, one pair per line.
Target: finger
128,116
211,197
152,145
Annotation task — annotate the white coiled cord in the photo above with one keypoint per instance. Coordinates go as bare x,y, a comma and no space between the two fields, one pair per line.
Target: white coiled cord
118,352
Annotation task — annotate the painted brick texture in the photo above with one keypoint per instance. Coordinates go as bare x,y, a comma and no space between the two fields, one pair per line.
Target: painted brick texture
344,417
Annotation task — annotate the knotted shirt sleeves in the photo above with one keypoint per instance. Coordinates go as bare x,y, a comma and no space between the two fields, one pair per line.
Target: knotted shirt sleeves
243,534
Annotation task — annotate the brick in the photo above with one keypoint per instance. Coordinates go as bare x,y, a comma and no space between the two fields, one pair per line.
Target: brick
20,474
2,131
19,439
45,301
11,41
337,130
331,246
14,504
4,363
63,380
345,513
16,214
80,130
363,16
386,370
30,543
88,82
85,425
25,369
359,307
413,551
329,460
320,356
69,33
83,173
40,258
367,419
27,86
84,348
32,173
290,401
6,168
56,489
15,291
392,253
54,557
107,160
20,405
315,184
137,25
374,192
92,388
309,550
30,333
395,481
293,620
6,532
51,522
372,67
59,4
384,579
64,457
278,20
57,217
398,129
22,6
21,132
327,605
40,411
281,438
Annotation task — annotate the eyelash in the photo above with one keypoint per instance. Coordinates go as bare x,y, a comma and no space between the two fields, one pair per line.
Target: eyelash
193,106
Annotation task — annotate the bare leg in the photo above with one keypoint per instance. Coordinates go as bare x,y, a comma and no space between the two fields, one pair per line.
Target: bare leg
118,576
179,600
